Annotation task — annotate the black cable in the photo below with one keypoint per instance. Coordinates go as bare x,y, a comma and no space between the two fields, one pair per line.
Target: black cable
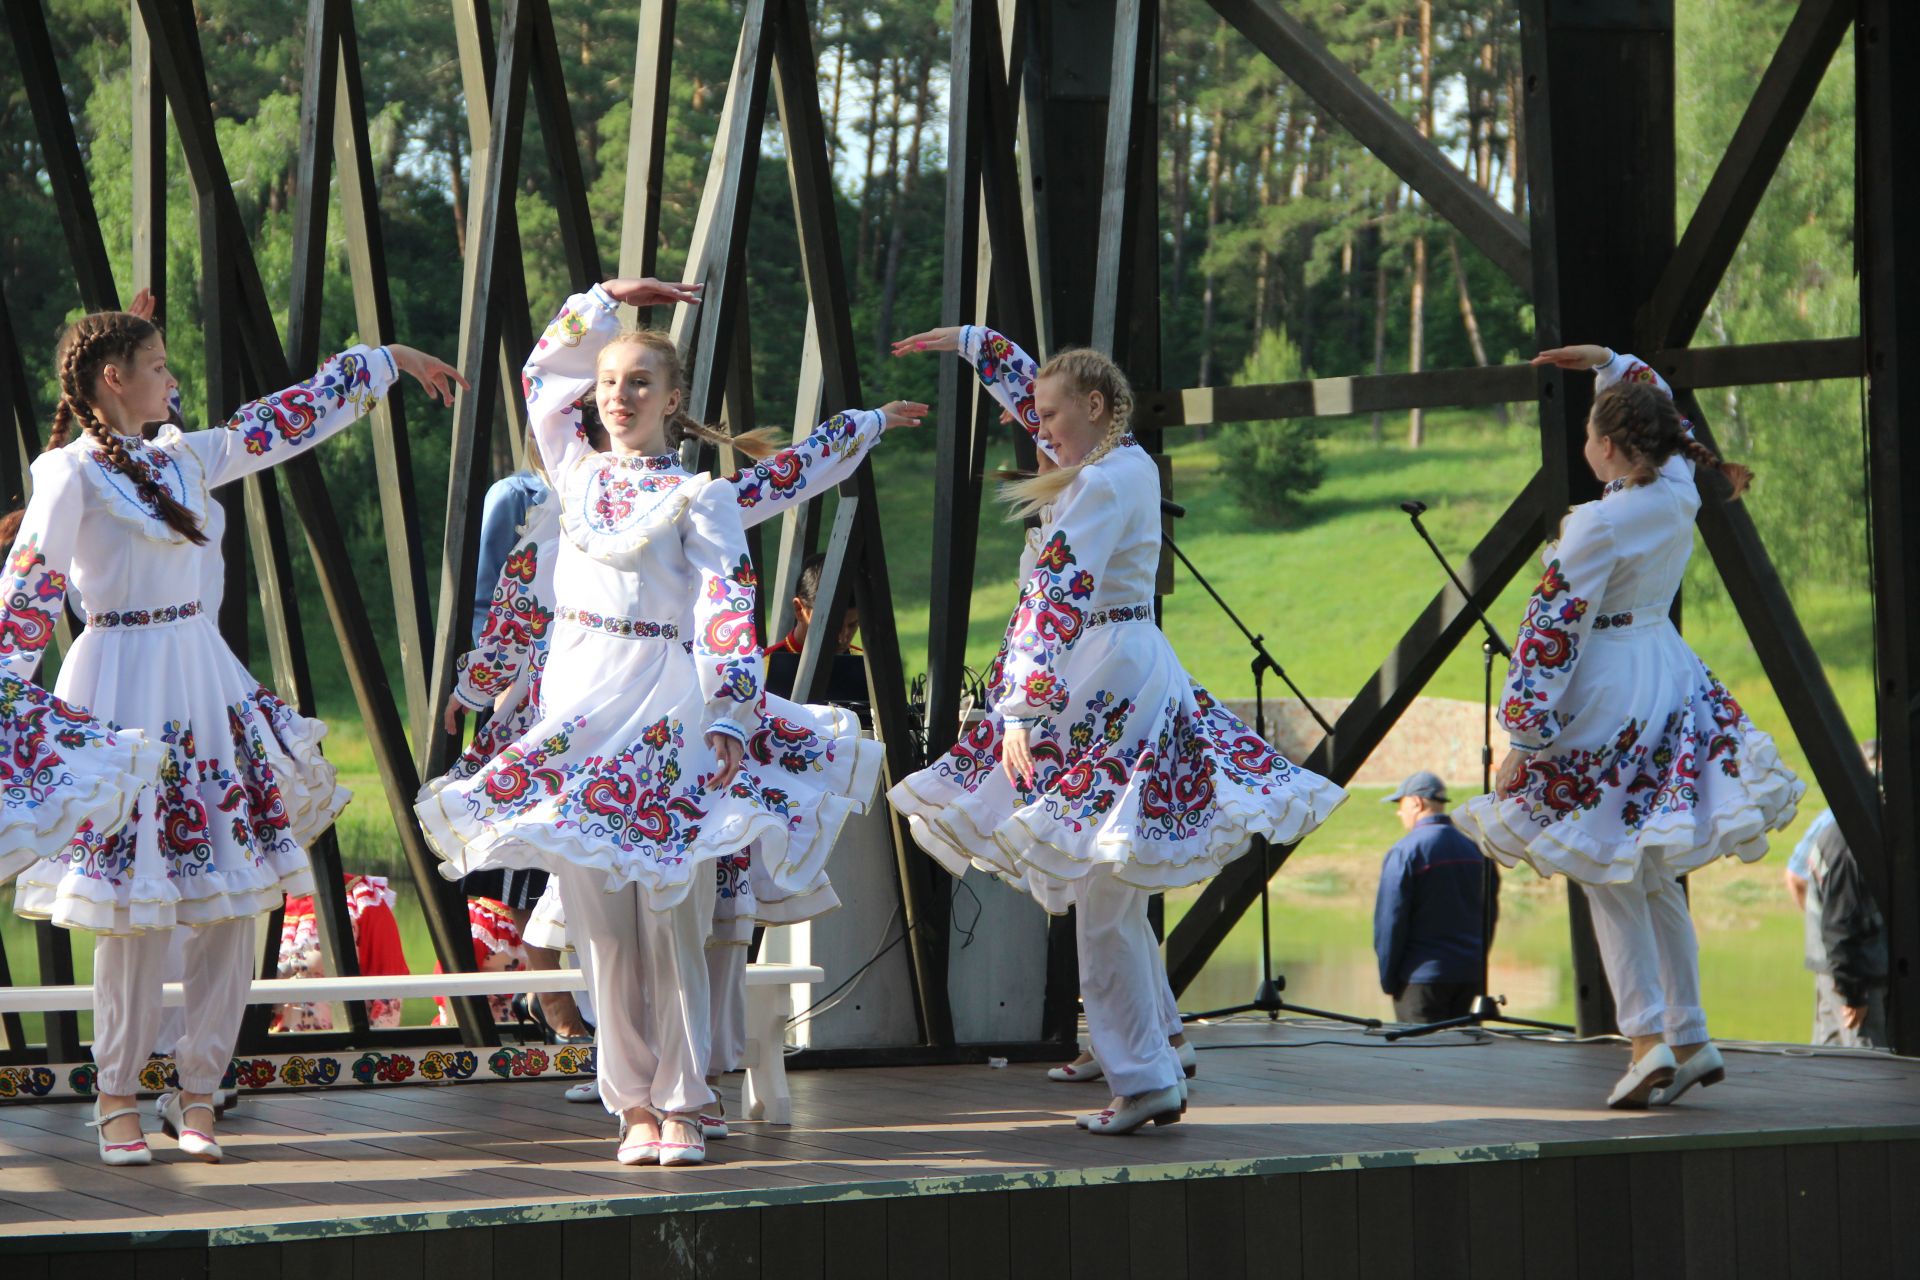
979,909
854,976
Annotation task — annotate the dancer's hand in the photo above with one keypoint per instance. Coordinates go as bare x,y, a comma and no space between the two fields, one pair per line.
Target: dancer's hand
1507,778
729,751
1016,756
142,305
455,709
433,373
945,338
648,292
1581,355
902,413
1853,1016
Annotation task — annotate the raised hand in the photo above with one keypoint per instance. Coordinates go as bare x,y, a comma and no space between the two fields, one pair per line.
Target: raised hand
433,373
142,305
902,413
1581,355
649,292
946,338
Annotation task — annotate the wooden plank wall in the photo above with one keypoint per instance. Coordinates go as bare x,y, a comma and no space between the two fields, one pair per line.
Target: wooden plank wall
1817,1210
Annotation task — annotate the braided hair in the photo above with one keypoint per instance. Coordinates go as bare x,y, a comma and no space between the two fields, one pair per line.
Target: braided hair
88,345
1087,371
1644,424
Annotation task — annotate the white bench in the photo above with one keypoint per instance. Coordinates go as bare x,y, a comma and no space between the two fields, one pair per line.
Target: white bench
769,1005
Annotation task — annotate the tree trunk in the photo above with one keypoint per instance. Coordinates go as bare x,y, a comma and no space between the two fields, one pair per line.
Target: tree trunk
896,241
1380,320
1216,139
1182,193
1469,319
839,79
887,210
863,245
1416,320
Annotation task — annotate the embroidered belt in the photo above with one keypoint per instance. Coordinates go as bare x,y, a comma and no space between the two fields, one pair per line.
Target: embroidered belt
614,625
1142,612
1629,620
145,617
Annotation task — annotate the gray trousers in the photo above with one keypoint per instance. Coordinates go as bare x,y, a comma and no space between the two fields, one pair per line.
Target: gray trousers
1828,1029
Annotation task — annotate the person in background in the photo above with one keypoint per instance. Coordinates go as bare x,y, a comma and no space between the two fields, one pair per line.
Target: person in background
1846,936
1427,917
804,592
376,944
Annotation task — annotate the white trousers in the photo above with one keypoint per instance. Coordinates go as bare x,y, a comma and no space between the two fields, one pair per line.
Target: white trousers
173,1019
1651,954
1169,1006
1123,984
650,992
218,964
727,981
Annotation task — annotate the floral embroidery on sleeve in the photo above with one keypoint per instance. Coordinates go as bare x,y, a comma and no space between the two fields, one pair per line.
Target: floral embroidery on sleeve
517,622
1006,371
725,645
822,460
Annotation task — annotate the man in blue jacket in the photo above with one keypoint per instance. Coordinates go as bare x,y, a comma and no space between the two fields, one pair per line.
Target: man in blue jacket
1427,918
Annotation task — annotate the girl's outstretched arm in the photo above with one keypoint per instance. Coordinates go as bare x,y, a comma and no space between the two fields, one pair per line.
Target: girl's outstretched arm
1004,369
806,470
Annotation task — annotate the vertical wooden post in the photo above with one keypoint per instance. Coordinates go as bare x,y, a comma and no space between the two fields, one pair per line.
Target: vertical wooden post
1889,183
1599,128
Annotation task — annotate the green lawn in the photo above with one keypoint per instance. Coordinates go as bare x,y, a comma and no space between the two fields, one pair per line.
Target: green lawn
1332,594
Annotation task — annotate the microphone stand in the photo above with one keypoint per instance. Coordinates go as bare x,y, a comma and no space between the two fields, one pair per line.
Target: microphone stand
1486,1006
1267,999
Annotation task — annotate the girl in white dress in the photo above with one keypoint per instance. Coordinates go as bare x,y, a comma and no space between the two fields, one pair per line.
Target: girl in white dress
1105,773
629,782
242,786
1631,765
504,672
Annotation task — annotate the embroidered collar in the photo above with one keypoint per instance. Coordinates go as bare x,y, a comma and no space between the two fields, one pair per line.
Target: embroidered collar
1619,484
644,461
175,469
612,505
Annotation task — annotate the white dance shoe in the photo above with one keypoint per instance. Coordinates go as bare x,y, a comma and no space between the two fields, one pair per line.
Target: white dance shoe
194,1142
634,1149
675,1146
118,1154
713,1126
1189,1060
1655,1070
585,1091
1162,1106
1705,1068
1088,1119
1086,1073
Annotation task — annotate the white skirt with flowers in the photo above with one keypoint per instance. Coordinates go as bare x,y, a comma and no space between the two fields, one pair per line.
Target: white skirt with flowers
1145,774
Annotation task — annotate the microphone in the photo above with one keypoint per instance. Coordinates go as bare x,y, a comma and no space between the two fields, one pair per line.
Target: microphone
1173,509
1413,508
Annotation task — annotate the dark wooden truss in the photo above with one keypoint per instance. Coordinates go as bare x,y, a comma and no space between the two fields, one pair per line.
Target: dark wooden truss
1052,124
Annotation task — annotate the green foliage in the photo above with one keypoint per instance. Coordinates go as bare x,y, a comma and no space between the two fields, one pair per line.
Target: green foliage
1271,466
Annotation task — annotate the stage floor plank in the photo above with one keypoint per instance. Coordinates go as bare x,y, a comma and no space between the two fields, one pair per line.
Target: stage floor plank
1295,1097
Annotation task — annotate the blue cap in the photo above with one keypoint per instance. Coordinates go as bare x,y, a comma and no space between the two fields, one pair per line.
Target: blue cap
1425,784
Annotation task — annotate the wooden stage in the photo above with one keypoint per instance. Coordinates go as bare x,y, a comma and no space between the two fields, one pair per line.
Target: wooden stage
1310,1150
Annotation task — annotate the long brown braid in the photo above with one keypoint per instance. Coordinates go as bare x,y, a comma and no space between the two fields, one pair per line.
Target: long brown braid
87,346
1643,422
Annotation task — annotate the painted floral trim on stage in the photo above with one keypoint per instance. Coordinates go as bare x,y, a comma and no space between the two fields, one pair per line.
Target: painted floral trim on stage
283,1071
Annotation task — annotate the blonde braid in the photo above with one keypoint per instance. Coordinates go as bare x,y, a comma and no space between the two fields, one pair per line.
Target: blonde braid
1089,371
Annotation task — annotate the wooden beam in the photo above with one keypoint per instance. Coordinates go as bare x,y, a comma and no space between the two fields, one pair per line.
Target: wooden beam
548,89
647,138
1739,181
392,445
1889,177
483,359
149,173
1135,24
1380,703
1377,126
1808,360
860,549
312,182
706,333
65,168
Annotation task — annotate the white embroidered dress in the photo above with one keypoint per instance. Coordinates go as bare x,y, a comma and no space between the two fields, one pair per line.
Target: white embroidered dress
242,785
1635,750
1137,768
652,647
